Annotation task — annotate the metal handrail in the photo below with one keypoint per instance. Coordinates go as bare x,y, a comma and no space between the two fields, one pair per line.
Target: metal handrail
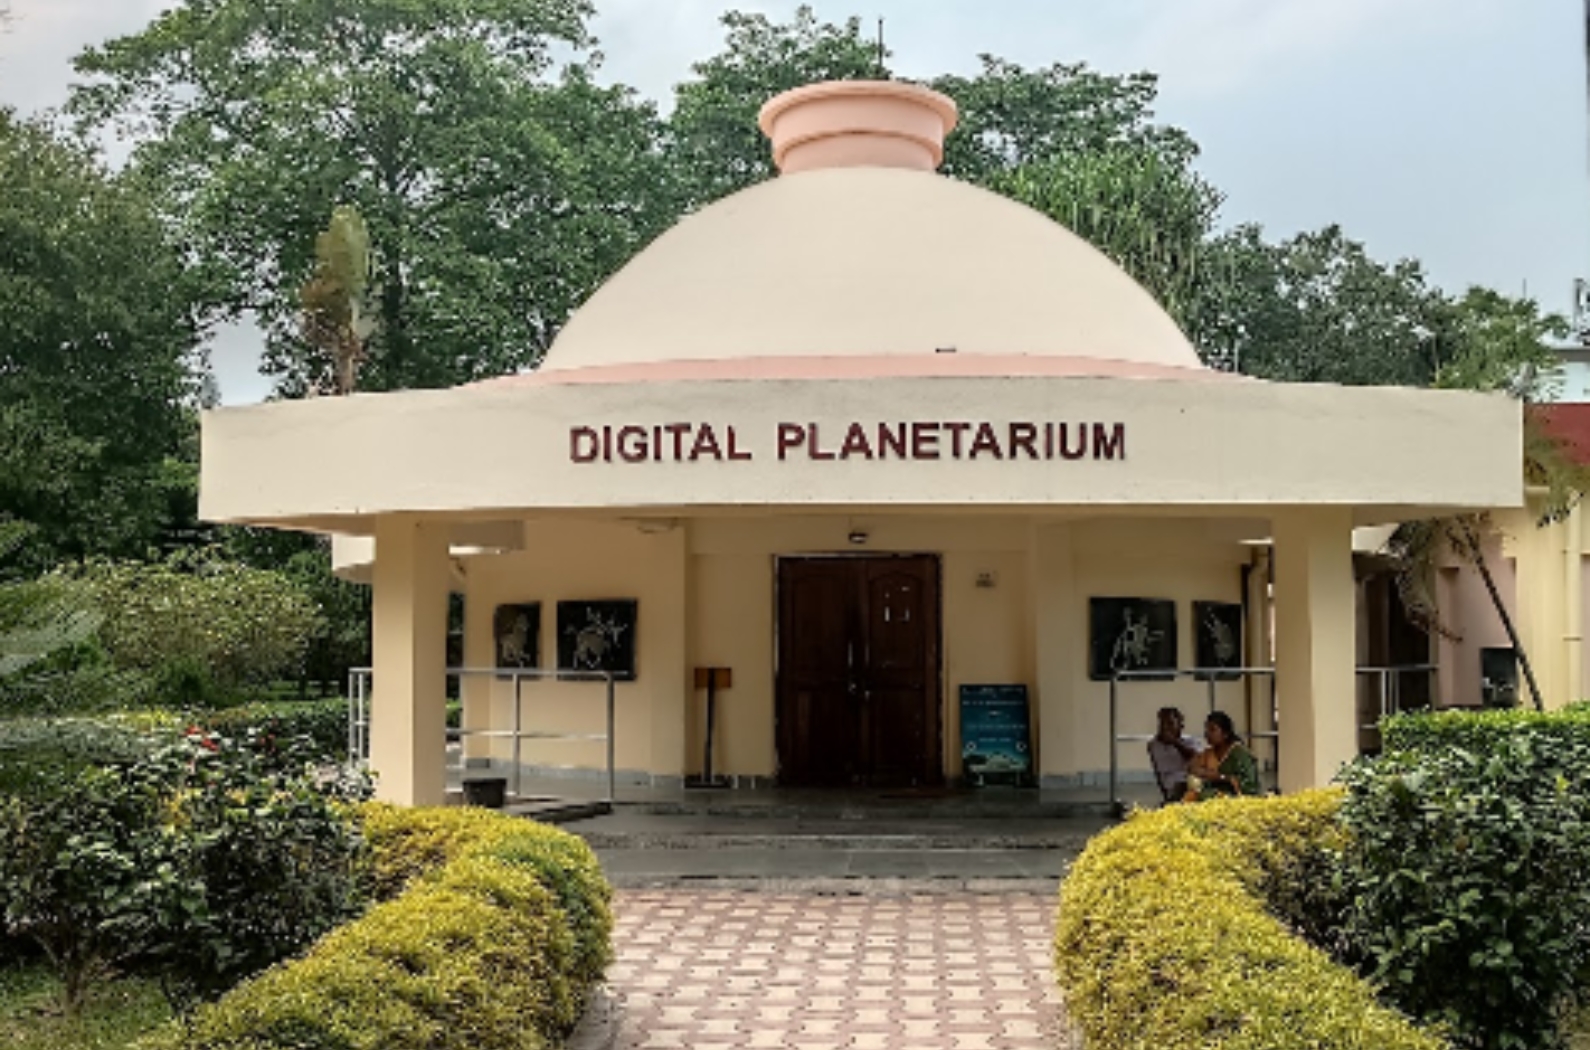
359,693
1214,676
1390,679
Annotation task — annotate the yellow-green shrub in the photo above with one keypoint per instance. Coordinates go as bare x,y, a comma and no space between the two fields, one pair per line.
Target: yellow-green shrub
491,934
1165,938
407,843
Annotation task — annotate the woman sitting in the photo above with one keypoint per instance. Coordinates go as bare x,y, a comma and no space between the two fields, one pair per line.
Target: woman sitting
1224,769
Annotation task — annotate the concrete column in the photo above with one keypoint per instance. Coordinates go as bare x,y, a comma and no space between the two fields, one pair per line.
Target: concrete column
408,748
670,657
480,650
1315,633
1068,742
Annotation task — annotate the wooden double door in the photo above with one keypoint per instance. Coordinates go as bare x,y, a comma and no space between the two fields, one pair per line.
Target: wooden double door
858,671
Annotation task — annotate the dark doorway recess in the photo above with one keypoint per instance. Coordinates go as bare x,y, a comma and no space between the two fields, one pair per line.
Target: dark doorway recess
858,671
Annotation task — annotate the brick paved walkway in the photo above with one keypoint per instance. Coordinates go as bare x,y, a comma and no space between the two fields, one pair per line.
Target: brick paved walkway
711,970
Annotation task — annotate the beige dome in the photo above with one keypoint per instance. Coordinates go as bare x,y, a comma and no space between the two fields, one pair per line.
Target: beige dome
870,262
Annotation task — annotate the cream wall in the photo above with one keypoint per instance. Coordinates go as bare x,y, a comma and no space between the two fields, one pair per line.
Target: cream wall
707,592
586,560
1123,558
1208,443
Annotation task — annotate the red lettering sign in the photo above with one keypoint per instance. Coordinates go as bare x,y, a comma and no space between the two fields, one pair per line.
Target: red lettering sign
860,443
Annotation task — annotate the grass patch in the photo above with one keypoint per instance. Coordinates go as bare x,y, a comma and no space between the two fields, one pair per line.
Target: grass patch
116,1013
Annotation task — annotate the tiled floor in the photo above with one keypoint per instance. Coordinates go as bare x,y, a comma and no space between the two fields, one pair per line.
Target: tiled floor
946,971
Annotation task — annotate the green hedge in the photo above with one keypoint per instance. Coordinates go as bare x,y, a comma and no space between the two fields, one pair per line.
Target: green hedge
36,753
491,934
323,722
1167,937
1478,730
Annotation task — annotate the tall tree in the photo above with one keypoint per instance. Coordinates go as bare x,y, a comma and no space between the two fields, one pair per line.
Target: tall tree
714,142
99,351
1317,308
1148,211
499,194
335,319
1010,115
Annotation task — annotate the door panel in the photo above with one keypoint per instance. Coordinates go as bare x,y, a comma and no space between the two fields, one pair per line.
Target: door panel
858,682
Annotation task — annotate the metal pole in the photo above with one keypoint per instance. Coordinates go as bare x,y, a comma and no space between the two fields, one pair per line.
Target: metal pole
712,705
517,726
364,717
612,777
353,717
1115,773
1212,700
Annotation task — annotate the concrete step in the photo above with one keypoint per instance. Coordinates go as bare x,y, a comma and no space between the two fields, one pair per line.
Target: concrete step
849,870
662,839
876,811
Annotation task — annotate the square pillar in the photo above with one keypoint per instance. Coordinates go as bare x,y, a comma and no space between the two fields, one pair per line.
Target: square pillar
1316,632
408,743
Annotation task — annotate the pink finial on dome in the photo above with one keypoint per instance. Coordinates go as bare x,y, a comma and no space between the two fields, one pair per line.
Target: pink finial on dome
858,123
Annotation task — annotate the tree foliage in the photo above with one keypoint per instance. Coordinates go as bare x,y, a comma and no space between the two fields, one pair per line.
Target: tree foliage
336,320
98,351
1011,116
1149,212
714,143
196,616
1318,308
497,194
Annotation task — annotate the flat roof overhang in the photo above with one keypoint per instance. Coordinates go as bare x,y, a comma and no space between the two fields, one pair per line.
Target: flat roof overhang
1139,446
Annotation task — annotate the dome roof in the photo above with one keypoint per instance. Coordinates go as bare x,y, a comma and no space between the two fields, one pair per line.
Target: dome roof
859,261
869,262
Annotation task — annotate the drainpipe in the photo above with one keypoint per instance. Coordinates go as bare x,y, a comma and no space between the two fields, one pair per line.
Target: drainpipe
1573,596
1247,639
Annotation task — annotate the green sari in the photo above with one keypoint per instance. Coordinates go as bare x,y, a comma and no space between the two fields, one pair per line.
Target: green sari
1239,775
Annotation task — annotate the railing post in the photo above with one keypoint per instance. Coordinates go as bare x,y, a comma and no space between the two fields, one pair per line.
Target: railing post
353,716
612,775
1115,745
518,726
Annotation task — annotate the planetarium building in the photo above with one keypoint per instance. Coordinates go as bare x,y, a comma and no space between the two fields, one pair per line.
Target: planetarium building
883,459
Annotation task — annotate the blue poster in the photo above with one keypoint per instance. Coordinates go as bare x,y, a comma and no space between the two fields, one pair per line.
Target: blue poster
996,744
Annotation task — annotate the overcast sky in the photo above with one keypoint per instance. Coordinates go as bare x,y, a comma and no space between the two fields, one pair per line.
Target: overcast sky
1453,131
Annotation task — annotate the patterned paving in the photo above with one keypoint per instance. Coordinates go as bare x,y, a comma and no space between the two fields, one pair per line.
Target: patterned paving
715,969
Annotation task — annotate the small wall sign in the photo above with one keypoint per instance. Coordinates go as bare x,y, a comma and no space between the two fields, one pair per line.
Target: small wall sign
996,738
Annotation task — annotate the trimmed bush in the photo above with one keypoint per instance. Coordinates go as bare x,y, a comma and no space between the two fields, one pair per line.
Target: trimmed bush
1481,730
1465,872
493,932
409,842
1167,937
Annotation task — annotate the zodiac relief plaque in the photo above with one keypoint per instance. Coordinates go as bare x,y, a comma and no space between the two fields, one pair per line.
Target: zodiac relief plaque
1131,636
598,636
517,632
1218,627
